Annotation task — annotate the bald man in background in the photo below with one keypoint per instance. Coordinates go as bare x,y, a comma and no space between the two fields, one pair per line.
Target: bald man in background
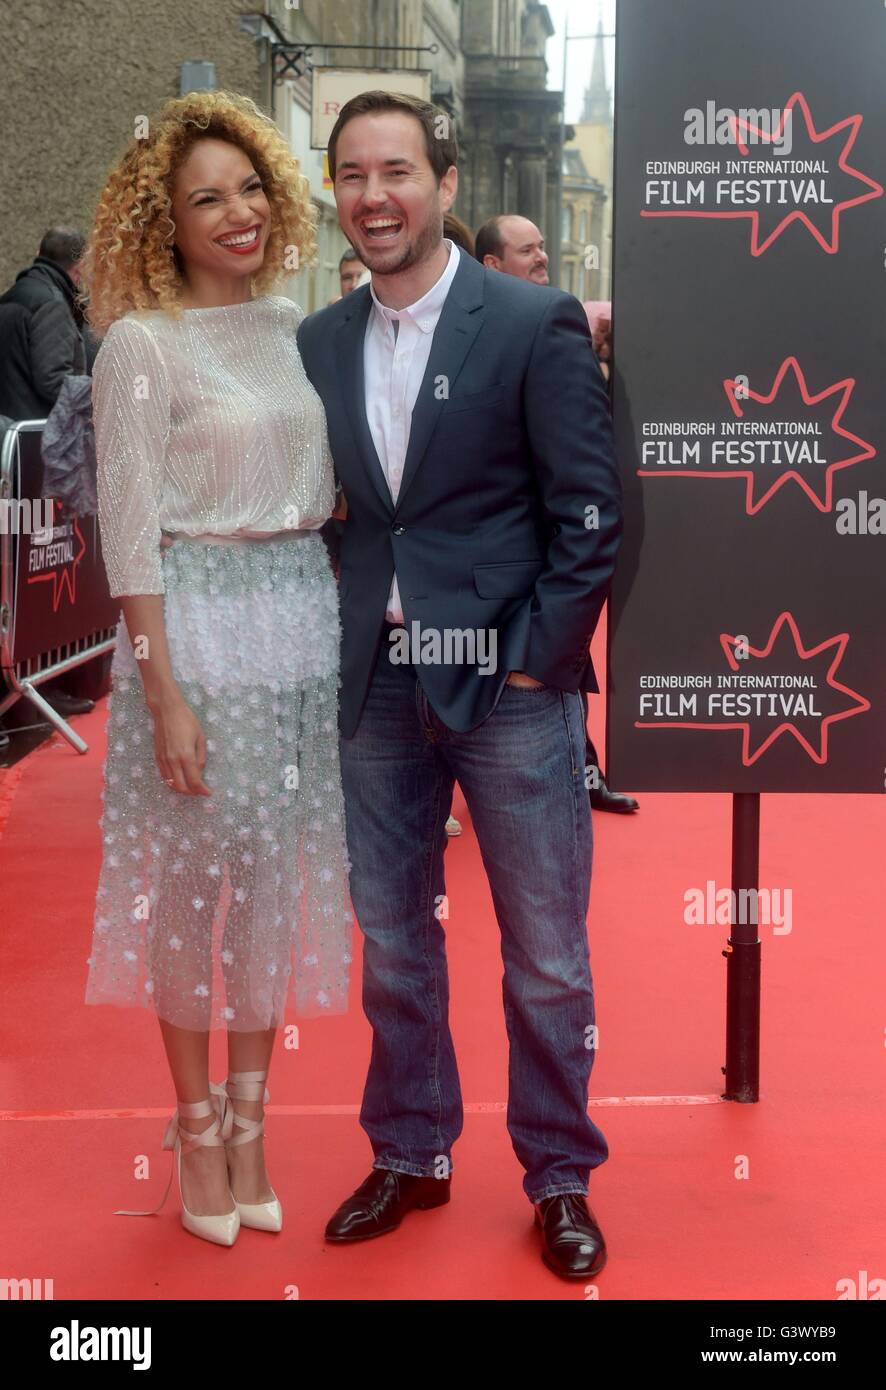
515,246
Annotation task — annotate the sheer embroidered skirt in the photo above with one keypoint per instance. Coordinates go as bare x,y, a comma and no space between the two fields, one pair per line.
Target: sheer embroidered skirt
223,911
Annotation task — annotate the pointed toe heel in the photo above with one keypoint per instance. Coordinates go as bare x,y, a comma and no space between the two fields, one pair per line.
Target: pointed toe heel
249,1085
221,1228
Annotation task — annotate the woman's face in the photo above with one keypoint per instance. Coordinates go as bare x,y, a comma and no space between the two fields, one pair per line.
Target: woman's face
222,217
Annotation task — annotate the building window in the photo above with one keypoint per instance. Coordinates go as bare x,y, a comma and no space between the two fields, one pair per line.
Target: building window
566,228
509,183
506,42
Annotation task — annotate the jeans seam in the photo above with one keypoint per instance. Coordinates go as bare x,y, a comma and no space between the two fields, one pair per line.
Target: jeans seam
575,864
435,1078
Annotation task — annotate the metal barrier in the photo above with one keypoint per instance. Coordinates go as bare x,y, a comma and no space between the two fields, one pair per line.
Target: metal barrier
22,674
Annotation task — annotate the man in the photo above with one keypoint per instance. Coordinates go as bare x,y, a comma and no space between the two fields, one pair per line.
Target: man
350,272
471,435
515,246
41,338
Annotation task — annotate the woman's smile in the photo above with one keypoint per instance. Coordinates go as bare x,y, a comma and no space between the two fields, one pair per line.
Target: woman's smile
241,243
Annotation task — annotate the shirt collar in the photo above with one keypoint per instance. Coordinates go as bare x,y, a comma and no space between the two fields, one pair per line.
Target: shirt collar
425,312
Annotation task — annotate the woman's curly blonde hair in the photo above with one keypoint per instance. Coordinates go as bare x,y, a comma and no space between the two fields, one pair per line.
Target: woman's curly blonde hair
129,261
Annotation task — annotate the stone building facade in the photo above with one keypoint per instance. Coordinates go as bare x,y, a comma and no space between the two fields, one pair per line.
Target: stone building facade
75,80
593,140
583,211
512,127
73,91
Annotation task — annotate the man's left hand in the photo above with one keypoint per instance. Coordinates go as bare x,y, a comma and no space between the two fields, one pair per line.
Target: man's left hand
521,678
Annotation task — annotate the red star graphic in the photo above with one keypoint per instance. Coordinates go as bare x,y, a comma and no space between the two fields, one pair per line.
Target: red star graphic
851,124
63,576
841,391
860,705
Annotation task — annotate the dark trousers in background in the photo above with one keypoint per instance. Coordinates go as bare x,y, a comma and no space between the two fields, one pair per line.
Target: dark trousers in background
591,759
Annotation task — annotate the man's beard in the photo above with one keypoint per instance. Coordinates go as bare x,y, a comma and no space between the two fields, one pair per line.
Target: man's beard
413,252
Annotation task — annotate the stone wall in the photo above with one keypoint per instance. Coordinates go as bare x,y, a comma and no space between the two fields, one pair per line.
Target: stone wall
75,78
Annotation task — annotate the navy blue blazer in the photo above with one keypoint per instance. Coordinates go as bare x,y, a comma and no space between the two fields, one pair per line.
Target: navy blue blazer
509,513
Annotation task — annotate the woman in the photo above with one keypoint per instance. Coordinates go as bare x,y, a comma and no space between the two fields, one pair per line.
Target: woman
223,826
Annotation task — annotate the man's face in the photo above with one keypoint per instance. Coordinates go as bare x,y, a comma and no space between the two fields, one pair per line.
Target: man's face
350,275
390,206
524,252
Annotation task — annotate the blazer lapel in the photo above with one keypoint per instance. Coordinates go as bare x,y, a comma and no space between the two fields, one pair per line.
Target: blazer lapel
458,326
351,336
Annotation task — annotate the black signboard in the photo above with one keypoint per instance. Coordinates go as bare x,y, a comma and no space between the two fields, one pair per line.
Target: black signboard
748,614
60,588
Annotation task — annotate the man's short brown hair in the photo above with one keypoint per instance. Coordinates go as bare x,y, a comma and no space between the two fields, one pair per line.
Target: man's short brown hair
439,128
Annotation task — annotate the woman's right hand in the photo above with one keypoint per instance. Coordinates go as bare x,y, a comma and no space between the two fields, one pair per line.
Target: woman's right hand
180,746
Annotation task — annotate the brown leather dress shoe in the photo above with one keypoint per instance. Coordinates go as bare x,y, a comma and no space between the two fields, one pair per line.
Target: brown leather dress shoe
572,1242
380,1203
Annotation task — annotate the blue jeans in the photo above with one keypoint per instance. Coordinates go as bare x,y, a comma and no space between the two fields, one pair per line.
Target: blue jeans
522,775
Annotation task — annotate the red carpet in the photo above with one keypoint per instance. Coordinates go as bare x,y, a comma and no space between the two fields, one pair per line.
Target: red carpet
85,1090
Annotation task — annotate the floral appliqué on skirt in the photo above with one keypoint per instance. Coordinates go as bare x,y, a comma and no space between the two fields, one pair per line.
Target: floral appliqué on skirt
223,911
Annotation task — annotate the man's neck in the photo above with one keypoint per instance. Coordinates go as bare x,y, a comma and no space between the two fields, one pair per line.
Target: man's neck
400,290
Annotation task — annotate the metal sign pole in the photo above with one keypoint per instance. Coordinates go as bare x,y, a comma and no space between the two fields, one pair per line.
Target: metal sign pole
742,954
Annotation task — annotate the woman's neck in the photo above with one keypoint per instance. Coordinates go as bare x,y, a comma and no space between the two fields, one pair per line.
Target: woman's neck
204,291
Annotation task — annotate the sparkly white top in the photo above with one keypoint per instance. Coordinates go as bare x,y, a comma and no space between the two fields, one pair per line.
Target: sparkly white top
206,426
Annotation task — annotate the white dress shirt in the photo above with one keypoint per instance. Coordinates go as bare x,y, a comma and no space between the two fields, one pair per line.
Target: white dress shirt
394,364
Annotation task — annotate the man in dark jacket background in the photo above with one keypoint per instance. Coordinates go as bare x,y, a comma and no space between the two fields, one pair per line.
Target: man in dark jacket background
41,329
42,341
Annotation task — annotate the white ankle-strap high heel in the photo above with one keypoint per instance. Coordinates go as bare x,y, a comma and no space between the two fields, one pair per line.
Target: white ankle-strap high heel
221,1229
249,1085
